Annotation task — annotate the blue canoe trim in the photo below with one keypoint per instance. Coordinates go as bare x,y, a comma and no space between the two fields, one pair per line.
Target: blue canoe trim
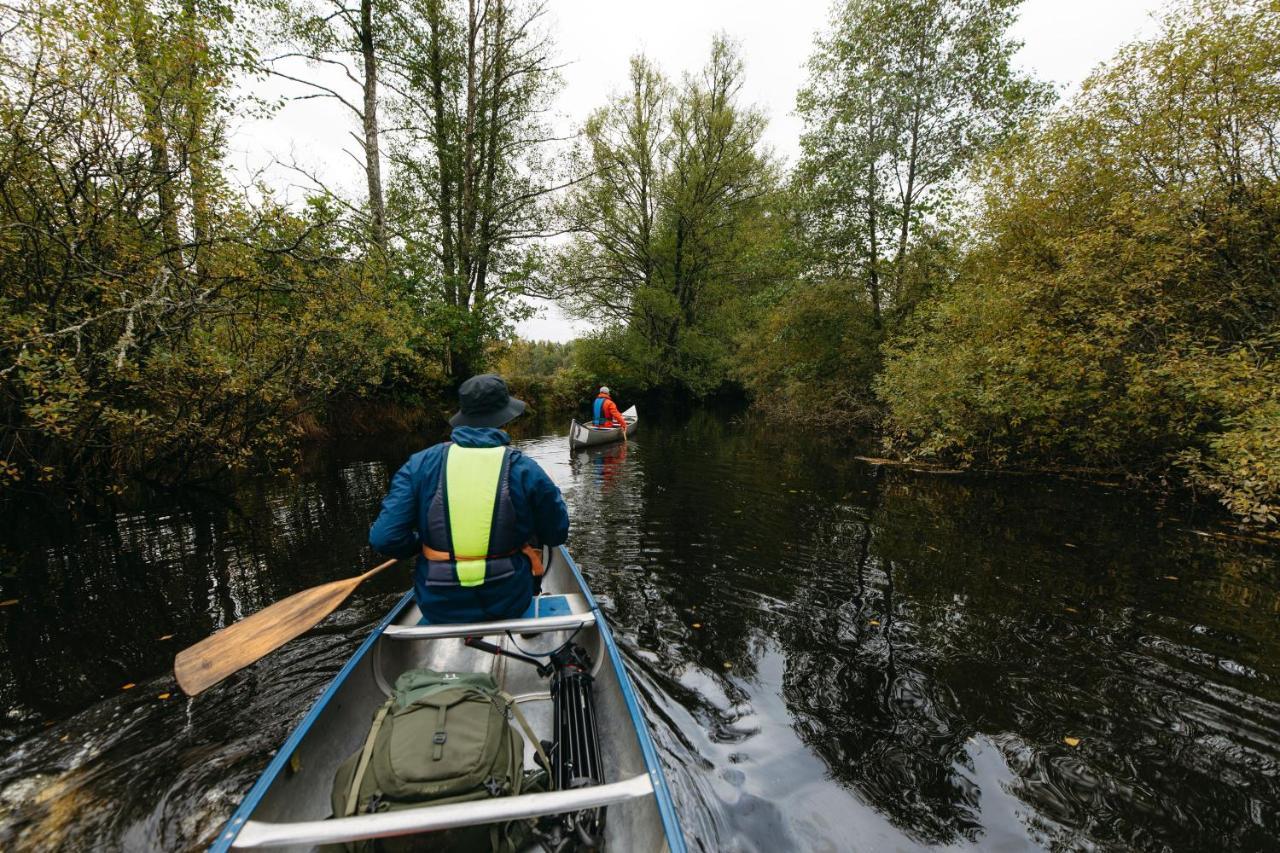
666,808
228,833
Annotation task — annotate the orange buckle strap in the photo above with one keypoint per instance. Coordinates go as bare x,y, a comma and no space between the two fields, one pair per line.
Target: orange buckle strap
534,555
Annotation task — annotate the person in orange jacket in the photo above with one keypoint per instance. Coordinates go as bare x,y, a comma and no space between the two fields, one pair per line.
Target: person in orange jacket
605,412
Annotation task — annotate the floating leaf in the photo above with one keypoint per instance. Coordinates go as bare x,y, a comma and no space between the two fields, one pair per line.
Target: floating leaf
697,624
1071,741
728,665
129,686
1072,610
8,602
167,637
874,621
1068,544
163,696
1171,577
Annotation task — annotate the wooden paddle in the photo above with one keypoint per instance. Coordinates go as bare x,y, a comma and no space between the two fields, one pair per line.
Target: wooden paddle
203,665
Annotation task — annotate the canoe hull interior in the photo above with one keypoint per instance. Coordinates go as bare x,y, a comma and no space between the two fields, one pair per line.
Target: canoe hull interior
299,788
585,435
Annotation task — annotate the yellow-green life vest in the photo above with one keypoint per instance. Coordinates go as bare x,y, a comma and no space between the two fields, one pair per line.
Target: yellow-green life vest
472,520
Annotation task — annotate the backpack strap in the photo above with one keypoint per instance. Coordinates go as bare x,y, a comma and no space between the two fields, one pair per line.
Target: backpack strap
353,795
528,729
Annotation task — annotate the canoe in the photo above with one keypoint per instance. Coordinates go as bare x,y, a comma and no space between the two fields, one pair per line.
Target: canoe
586,435
289,807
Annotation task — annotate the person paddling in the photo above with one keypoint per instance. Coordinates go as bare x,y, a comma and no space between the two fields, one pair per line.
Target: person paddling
605,412
469,508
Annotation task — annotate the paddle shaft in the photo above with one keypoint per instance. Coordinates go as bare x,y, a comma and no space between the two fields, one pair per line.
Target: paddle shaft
209,661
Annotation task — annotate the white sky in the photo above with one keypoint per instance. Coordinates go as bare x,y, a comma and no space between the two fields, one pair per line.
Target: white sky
1064,40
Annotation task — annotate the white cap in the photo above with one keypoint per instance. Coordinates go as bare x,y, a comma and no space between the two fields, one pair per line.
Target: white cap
604,389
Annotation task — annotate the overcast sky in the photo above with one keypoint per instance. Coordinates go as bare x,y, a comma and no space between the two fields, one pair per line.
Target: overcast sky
1063,41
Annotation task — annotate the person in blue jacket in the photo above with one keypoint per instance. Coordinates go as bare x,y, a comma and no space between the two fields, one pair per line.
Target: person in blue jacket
469,508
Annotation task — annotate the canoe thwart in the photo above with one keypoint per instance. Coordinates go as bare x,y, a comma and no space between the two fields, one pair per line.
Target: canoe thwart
538,625
256,834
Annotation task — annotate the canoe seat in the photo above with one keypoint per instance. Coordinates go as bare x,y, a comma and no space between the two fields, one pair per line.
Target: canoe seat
545,614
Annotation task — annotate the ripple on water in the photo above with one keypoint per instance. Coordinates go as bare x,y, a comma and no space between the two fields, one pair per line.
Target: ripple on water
883,660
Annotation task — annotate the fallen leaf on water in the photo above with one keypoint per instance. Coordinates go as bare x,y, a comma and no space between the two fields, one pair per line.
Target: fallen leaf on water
8,602
697,624
1071,741
1068,544
728,665
65,738
129,686
163,696
874,621
1072,610
1171,577
167,637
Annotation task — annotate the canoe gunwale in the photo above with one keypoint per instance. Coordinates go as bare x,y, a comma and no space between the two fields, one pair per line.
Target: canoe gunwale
661,793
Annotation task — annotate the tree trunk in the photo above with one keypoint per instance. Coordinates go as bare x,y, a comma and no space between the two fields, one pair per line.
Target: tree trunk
467,217
372,158
443,160
873,273
149,87
196,153
489,152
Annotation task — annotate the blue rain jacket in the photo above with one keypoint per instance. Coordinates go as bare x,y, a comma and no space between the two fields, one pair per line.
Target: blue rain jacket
540,514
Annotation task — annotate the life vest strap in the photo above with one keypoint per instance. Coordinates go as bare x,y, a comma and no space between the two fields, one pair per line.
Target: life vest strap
534,555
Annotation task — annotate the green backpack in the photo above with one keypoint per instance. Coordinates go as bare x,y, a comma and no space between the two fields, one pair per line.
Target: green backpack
442,737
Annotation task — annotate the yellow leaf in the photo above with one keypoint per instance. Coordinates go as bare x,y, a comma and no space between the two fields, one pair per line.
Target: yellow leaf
1171,577
1071,741
728,665
697,624
1072,610
167,637
129,686
9,602
163,696
874,621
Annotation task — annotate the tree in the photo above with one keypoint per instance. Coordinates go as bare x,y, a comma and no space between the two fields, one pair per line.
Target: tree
346,36
471,172
1119,308
903,96
674,184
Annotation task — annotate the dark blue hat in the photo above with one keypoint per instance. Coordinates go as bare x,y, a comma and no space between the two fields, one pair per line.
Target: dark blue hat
484,401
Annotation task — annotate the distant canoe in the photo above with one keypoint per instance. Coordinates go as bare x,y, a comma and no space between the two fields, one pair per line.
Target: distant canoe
585,435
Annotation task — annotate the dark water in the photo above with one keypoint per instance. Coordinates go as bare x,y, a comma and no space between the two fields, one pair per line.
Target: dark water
832,656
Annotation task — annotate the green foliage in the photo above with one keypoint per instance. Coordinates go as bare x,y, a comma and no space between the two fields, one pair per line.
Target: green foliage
1120,308
902,96
546,375
673,227
152,324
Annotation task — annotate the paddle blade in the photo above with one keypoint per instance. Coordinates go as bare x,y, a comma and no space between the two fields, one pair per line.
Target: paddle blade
203,665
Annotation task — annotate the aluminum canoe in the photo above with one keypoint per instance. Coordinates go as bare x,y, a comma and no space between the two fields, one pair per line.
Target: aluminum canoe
288,808
586,435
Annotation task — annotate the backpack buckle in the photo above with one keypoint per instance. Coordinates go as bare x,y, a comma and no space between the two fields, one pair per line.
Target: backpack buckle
494,787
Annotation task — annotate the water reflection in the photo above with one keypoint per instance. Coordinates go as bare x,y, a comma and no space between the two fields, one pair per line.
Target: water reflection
833,656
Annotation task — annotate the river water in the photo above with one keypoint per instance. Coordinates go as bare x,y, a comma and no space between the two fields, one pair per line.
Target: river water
832,655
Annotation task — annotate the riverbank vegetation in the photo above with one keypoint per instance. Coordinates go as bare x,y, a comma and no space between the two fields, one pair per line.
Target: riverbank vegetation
986,278
165,318
982,275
